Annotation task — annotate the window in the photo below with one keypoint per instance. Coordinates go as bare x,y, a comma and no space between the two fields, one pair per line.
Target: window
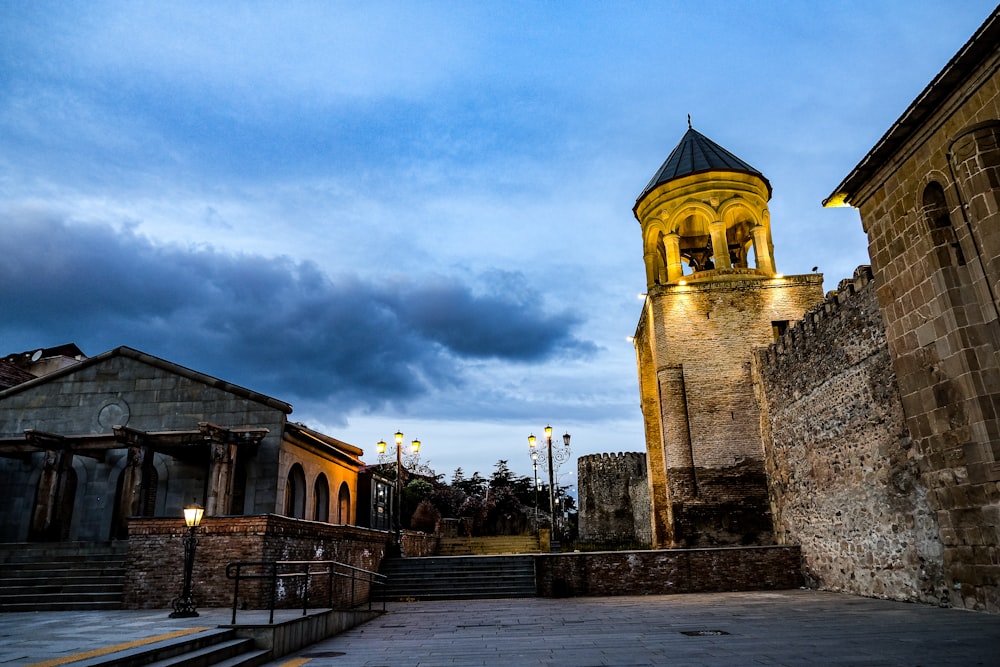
321,494
295,493
344,504
778,328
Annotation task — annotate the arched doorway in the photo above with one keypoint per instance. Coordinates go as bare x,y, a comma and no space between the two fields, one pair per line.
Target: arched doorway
321,495
295,493
344,504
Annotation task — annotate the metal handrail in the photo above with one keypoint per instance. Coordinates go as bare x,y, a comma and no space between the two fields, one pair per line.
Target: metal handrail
269,570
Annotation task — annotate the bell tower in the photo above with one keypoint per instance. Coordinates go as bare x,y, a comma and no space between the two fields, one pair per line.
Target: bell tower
712,296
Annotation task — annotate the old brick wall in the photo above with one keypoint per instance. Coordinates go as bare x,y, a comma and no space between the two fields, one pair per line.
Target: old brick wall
668,571
155,561
694,344
843,473
931,208
613,499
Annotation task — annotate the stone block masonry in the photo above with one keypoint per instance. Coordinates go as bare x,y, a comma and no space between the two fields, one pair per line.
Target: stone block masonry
844,480
668,571
694,344
154,568
614,499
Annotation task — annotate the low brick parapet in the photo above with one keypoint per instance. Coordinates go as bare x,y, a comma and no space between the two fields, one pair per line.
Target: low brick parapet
155,561
662,571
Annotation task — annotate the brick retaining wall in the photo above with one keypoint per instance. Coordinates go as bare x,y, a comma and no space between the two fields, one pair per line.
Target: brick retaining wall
668,571
155,561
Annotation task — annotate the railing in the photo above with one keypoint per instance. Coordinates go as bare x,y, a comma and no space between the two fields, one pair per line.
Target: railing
275,571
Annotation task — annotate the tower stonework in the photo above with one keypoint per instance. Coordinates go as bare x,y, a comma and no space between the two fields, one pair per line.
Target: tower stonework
614,499
712,296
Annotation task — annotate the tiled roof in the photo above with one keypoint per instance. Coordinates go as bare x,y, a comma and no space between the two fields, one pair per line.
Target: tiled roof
11,375
694,154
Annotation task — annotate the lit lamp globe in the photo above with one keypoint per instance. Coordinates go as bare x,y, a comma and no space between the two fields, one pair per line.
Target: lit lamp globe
193,515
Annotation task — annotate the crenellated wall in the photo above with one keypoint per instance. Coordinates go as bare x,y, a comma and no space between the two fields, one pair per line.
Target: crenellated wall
614,499
843,476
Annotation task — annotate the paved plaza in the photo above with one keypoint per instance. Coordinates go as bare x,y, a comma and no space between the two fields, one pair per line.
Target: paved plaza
764,628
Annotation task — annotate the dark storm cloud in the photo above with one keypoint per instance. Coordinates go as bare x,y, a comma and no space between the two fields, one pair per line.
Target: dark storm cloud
274,324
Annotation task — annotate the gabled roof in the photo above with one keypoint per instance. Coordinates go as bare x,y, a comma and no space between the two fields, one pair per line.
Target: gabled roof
695,154
156,362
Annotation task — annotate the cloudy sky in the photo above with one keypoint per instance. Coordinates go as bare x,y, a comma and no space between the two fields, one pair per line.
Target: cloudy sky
416,215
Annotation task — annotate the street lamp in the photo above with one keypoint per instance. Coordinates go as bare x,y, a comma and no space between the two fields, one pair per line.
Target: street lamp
534,476
415,448
551,459
184,606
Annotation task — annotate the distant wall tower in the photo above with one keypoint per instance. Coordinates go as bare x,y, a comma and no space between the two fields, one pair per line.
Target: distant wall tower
713,294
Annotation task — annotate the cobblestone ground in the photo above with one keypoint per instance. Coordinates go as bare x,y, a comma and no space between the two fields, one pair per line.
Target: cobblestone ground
780,628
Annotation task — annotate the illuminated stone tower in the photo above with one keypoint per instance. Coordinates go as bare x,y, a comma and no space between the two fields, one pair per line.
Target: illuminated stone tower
712,295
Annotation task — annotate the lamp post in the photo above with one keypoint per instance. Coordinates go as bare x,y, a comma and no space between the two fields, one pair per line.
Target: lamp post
397,514
184,606
534,478
551,458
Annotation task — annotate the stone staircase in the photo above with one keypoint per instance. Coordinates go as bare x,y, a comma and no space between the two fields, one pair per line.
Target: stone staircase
220,647
66,576
482,546
459,577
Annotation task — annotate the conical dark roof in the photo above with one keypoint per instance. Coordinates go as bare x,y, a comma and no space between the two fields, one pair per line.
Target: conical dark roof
694,154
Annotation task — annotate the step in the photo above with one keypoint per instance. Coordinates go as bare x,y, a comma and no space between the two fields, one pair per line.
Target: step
230,650
459,577
74,605
168,649
48,551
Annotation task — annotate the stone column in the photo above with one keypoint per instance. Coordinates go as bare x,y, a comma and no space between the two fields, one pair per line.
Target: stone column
220,478
672,246
720,246
679,462
52,489
131,498
762,250
652,272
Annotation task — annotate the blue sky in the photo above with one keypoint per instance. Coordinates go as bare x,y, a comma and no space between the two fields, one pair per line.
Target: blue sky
416,215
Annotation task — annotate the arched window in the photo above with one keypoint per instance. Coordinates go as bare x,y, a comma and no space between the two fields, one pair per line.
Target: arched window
321,496
295,493
344,504
935,207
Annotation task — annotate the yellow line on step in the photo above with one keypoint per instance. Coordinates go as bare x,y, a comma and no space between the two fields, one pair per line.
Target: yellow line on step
294,663
117,647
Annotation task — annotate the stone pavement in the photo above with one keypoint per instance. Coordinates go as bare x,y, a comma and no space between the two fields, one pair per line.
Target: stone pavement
765,628
772,628
57,637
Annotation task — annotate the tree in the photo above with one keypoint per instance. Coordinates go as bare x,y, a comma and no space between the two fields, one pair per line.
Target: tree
502,476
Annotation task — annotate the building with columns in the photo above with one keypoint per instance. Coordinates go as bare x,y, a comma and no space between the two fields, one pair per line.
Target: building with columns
91,442
713,294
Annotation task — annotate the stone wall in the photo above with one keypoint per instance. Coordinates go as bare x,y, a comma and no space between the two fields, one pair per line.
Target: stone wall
155,561
668,571
929,198
694,344
613,499
123,389
843,474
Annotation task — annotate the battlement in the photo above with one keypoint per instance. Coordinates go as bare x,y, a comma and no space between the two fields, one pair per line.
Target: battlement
799,334
611,457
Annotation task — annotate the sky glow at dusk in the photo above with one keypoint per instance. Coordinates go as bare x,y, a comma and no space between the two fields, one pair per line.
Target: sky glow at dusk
416,215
